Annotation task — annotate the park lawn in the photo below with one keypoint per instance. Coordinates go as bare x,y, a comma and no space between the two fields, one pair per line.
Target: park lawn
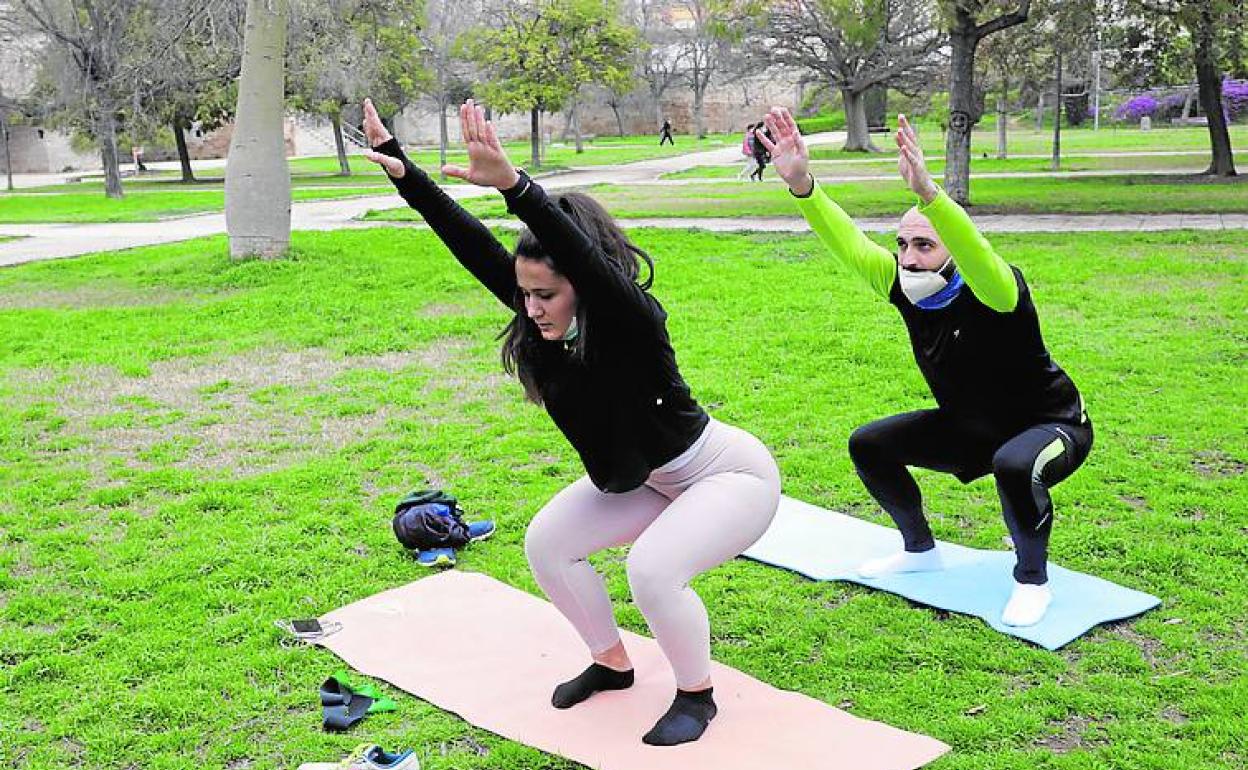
1041,195
888,165
1029,141
560,155
143,206
193,448
366,175
204,185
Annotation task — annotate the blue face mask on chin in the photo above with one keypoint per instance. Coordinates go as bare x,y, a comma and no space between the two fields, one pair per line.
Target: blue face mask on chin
943,297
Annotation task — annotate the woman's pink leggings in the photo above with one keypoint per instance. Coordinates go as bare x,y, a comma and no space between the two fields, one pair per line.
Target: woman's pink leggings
682,522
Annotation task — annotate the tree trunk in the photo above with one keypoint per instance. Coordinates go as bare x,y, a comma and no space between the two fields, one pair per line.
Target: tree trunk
344,166
442,137
858,138
1057,112
1040,111
257,178
576,128
1002,149
8,159
535,138
184,155
1238,63
963,41
108,151
619,122
1209,81
699,95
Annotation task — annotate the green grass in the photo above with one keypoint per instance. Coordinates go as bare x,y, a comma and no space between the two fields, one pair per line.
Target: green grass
560,155
143,206
4,238
888,165
192,448
1042,195
1029,142
212,179
161,194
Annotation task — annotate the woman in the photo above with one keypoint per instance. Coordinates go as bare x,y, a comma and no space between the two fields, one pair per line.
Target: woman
590,345
1004,406
747,152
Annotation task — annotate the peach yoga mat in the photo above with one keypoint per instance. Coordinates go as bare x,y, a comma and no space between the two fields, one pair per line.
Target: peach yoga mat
492,654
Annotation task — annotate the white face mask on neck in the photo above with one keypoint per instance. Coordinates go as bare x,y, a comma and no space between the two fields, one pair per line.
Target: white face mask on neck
572,331
918,285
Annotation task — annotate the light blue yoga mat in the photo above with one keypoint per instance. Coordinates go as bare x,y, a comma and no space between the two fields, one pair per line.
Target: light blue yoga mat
824,545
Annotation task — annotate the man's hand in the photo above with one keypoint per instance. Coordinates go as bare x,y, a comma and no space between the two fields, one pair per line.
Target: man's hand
788,150
910,162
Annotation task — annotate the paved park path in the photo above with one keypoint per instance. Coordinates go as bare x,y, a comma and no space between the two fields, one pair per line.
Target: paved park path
52,241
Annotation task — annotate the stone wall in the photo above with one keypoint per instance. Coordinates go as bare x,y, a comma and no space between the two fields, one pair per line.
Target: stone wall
35,150
727,108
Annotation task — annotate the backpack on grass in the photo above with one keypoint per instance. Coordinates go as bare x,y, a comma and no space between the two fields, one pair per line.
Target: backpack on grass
430,518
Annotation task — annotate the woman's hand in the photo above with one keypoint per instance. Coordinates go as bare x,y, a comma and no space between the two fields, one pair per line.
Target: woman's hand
788,150
377,134
911,164
488,165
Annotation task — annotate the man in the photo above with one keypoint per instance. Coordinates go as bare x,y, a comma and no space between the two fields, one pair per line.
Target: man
1003,406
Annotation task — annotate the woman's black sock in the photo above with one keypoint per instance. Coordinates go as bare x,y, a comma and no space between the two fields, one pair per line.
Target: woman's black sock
685,721
593,679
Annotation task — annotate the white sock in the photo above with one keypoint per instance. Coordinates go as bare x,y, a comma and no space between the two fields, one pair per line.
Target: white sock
1027,605
903,561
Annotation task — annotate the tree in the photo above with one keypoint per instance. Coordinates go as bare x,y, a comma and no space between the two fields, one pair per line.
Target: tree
540,54
8,37
396,30
257,179
965,34
440,43
5,107
659,59
102,58
704,38
196,85
1018,64
332,62
855,46
1203,20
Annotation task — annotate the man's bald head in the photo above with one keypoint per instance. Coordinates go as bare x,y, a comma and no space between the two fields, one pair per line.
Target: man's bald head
918,245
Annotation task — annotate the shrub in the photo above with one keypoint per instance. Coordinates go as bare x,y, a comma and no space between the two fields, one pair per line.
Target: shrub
1235,98
1137,107
835,122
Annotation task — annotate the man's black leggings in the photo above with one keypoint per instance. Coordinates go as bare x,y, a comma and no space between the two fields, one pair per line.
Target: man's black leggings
1025,466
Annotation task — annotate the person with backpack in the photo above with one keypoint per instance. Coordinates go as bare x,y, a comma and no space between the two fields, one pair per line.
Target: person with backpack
589,342
761,154
1003,406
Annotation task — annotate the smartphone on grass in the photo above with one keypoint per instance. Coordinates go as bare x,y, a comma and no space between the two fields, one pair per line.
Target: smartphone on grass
308,629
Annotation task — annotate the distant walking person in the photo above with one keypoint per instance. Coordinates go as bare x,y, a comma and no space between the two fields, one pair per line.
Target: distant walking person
761,155
666,133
